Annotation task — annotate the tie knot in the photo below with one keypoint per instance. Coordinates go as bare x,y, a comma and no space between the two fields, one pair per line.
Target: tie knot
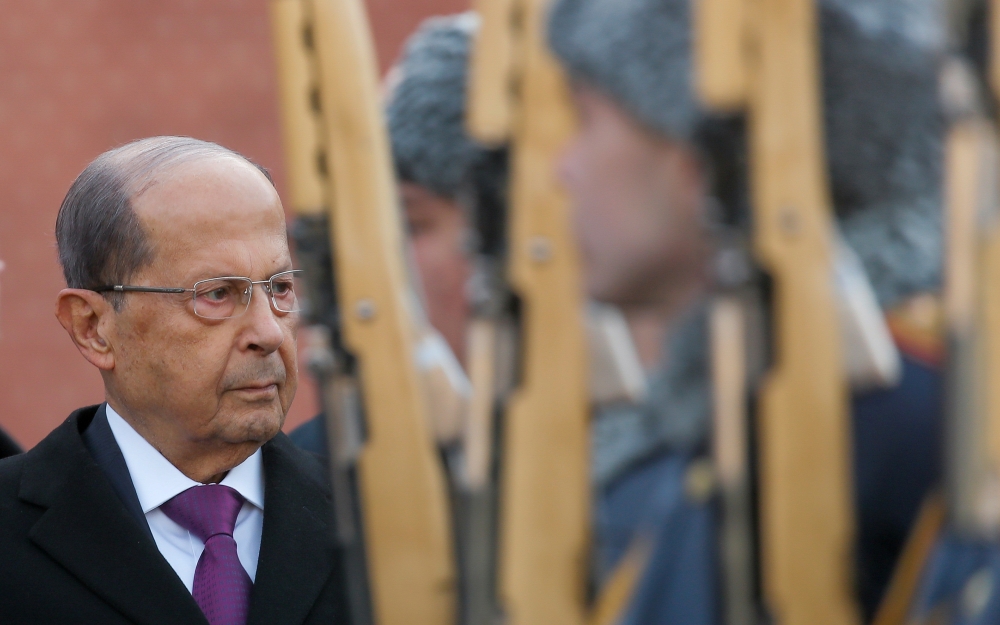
205,511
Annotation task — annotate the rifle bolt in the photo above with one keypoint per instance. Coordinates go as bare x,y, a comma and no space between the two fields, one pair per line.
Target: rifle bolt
365,309
540,249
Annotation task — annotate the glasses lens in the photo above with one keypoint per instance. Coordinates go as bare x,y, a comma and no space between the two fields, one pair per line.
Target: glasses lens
221,298
286,290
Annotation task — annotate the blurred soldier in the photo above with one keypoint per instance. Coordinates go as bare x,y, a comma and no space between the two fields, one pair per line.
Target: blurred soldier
652,178
435,165
8,447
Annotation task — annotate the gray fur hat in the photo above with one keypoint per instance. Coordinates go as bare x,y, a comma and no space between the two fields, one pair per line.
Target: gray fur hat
883,123
426,107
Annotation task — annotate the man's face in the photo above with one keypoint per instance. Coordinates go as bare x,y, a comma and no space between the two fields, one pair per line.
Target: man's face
191,380
436,228
638,199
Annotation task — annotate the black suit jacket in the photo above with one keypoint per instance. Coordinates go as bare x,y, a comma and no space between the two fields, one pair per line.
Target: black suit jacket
75,548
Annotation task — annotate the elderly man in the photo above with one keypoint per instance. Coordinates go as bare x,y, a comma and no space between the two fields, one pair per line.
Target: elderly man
178,500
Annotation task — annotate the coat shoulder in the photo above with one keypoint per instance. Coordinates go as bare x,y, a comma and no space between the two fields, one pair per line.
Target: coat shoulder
302,462
48,455
311,436
11,470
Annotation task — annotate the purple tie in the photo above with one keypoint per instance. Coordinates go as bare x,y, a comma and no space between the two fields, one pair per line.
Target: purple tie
221,585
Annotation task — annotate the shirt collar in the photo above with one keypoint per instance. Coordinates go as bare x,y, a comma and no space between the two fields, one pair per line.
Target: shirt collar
157,481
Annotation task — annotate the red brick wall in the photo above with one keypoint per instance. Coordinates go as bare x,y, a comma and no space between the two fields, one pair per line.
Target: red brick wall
77,78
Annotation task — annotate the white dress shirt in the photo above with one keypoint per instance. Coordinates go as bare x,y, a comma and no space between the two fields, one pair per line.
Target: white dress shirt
157,481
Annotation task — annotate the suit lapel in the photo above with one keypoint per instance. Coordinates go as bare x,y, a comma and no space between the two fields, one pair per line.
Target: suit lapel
297,546
100,442
87,529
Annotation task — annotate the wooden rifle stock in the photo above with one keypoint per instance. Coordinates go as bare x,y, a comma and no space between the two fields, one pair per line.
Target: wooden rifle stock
971,299
720,52
340,168
805,506
544,468
731,457
490,110
806,503
970,157
990,278
972,319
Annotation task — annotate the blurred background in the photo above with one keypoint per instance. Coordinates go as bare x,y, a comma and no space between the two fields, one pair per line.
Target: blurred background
78,78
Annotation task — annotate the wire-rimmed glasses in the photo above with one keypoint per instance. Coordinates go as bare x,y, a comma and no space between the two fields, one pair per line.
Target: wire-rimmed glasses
229,296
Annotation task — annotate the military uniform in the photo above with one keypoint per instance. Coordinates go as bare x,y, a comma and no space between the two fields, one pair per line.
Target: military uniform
650,488
897,436
961,584
649,465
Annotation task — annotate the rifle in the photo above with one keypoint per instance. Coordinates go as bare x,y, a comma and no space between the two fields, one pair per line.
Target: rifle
517,94
971,311
804,511
971,300
390,492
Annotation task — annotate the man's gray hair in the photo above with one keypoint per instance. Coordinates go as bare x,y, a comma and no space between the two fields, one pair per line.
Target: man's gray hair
100,238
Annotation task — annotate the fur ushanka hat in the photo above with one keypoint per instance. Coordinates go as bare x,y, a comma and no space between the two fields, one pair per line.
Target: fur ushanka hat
883,121
426,110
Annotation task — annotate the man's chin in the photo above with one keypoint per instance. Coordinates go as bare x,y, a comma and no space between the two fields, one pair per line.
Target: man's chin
257,425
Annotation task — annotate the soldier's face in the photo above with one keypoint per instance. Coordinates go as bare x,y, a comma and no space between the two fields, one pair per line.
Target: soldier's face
637,204
436,227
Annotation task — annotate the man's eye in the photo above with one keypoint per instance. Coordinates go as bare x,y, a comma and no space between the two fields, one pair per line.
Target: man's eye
215,295
281,287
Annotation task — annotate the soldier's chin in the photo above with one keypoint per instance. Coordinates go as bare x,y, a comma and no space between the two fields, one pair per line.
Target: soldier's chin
605,289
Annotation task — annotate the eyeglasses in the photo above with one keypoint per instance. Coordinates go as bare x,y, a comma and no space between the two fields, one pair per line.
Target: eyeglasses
229,296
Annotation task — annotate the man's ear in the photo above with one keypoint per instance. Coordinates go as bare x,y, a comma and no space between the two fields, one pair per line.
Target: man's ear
88,318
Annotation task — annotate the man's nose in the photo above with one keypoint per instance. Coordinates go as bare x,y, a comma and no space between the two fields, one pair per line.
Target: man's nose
264,331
